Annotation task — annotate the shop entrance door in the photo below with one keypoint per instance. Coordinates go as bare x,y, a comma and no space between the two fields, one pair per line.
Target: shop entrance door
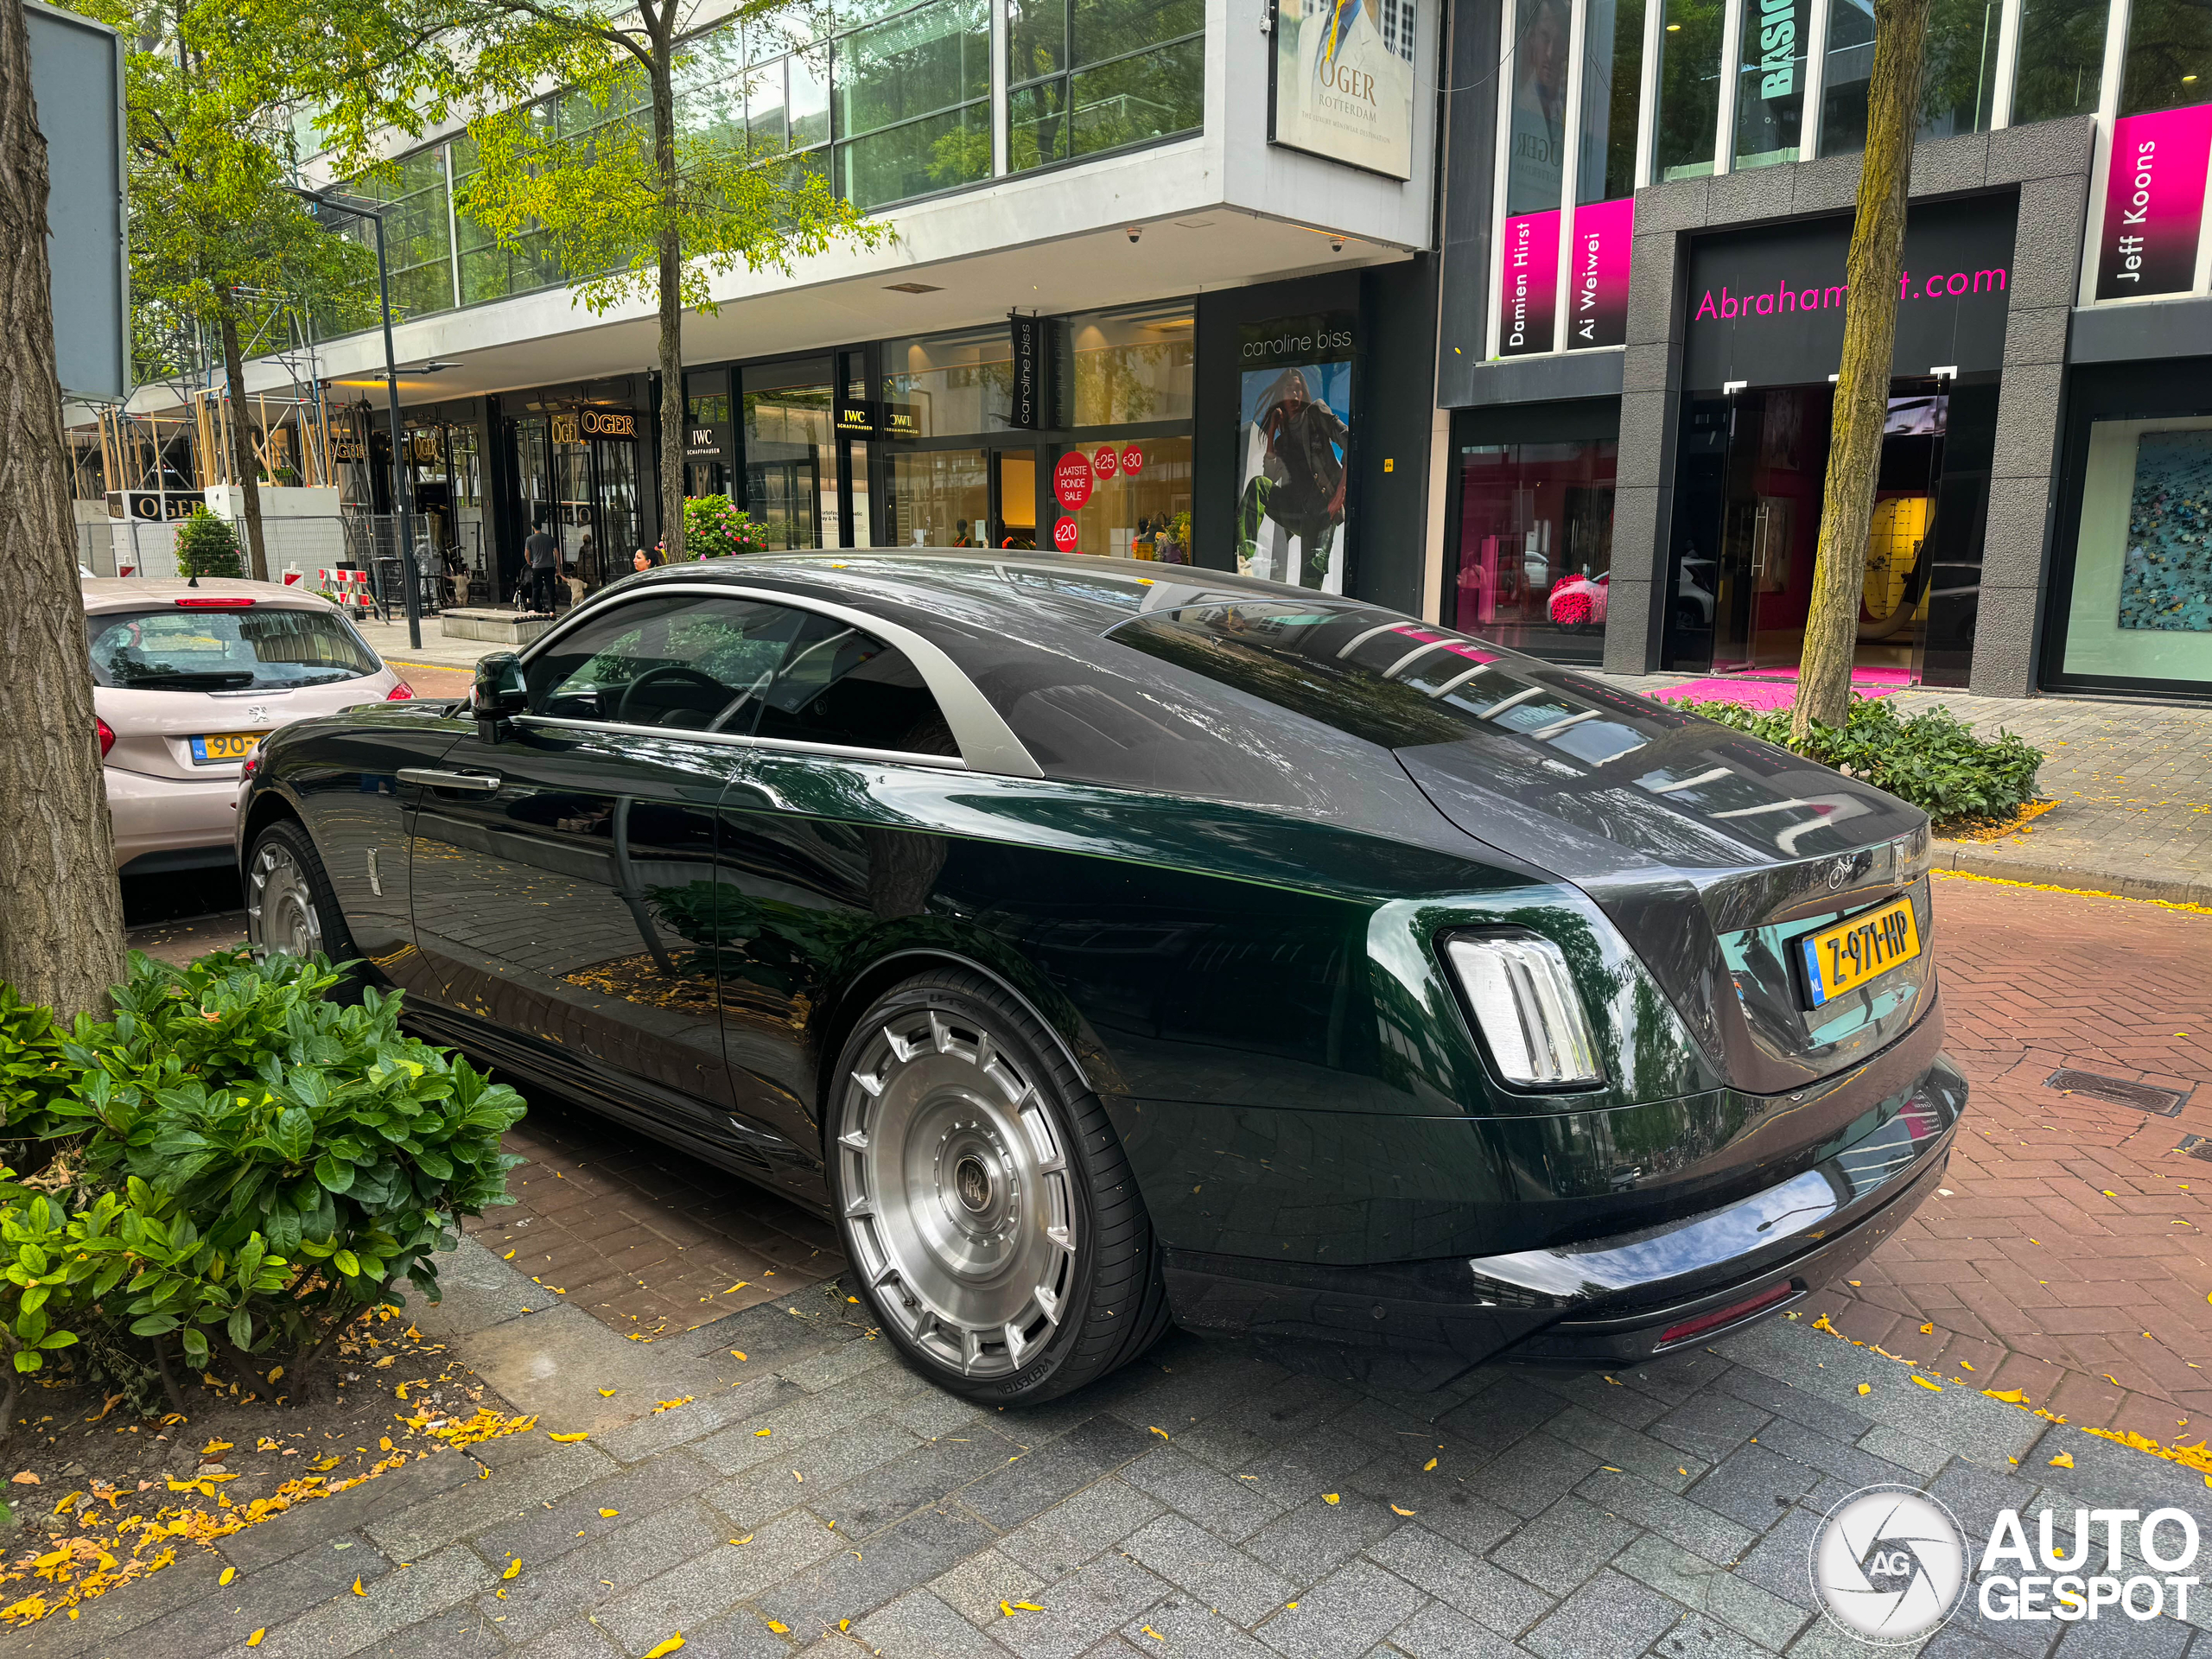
1775,448
1013,499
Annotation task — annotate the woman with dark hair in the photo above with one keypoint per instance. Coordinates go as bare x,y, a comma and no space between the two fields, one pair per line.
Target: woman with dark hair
645,558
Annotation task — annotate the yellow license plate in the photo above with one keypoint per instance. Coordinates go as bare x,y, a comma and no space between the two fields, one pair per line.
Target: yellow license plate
225,746
1843,957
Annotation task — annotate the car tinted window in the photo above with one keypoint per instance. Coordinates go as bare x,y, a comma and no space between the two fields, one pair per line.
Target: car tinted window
261,648
674,660
840,686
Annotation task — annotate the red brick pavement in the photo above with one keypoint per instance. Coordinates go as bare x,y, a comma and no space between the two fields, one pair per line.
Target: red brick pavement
645,1239
2070,1259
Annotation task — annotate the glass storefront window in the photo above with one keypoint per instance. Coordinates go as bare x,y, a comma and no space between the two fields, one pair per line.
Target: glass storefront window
944,385
1689,88
1770,80
2061,59
1958,83
1536,138
1612,84
1133,366
912,97
489,272
790,468
1139,505
1138,74
937,498
2141,607
1536,538
2169,55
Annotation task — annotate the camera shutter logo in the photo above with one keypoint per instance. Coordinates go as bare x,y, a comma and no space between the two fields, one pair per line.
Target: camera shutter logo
1888,1564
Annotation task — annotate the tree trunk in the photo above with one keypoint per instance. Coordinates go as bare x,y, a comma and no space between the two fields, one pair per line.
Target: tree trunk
60,909
1862,388
673,406
242,467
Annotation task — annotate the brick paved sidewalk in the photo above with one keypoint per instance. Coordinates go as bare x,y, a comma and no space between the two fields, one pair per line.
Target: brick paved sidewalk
2072,1259
818,1497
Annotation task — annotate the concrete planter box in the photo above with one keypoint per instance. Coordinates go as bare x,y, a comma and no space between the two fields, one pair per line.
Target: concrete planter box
501,627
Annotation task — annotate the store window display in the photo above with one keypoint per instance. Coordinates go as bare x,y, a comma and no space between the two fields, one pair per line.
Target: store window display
1535,554
1126,498
2141,605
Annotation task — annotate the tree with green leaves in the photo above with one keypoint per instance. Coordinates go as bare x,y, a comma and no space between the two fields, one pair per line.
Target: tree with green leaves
1862,388
217,245
640,174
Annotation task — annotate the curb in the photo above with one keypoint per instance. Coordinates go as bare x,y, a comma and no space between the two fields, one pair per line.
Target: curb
2111,884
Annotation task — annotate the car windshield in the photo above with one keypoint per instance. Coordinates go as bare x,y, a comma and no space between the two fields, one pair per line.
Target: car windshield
261,649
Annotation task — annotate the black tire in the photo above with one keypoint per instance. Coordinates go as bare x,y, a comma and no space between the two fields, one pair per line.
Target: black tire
953,1112
290,907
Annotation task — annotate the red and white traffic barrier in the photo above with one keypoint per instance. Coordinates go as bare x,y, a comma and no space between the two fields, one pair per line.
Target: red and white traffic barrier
347,586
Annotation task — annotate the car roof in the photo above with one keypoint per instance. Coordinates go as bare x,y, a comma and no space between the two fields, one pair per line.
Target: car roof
136,593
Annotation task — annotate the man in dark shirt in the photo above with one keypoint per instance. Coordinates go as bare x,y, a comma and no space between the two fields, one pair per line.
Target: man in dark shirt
542,554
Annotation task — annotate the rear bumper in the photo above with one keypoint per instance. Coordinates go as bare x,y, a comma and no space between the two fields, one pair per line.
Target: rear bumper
166,821
1612,1299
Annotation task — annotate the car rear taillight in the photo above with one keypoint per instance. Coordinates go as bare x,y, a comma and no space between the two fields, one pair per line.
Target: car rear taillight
1524,998
107,735
252,762
400,693
1729,1315
214,604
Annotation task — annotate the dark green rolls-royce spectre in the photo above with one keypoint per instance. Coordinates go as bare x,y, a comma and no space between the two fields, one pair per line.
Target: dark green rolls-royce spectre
1105,943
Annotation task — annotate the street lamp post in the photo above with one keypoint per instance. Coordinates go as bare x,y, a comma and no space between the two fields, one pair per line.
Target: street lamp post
409,577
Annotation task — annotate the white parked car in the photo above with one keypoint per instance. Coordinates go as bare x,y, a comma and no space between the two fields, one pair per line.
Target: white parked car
187,680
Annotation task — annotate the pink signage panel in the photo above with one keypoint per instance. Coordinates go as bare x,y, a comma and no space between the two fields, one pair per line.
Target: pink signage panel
2154,201
1597,274
1527,284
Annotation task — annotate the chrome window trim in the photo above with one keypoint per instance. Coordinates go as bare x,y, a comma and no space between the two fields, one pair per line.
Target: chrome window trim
987,742
739,739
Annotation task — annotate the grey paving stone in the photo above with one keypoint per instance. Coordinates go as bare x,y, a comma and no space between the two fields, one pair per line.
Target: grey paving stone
540,1536
1975,1495
1496,1420
830,1368
1603,1393
1075,1529
1711,1589
1317,1537
1345,1614
1924,1457
548,1593
935,1415
1233,1508
346,1624
256,1599
578,1639
1753,1487
1689,1525
975,1587
743,1635
1776,1563
307,1524
1541,1470
1217,1573
810,1472
1609,1616
2109,1638
805,1417
1179,1628
1437,1632
705,1414
1712,1423
104,1623
461,1632
1772,1395
474,1505
894,1489
1082,1609
1484,1593
1852,1464
920,1626
1562,1546
1700,1638
697,1591
854,1582
1039,1478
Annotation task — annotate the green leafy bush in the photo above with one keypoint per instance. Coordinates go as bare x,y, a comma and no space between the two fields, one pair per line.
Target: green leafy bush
715,528
206,546
1933,760
239,1165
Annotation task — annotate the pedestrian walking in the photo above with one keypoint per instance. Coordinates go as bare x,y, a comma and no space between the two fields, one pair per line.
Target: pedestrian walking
541,553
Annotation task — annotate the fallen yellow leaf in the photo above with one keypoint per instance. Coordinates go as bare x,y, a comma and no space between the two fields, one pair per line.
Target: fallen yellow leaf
844,1624
762,1433
509,1256
779,1628
1028,1607
514,1568
229,1572
214,1446
740,1285
734,1354
1967,1363
607,1394
610,1514
1430,1464
254,1641
1866,1388
1927,1330
357,1588
567,1439
1156,1636
1159,1431
746,1539
1933,1388
1395,1510
2109,1193
2010,1396
1329,1498
671,1645
2063,1460
1291,1605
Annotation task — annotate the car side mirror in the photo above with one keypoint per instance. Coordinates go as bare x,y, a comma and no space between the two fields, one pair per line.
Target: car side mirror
499,694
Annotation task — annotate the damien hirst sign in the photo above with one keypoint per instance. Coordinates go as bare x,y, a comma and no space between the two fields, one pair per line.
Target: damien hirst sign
1766,306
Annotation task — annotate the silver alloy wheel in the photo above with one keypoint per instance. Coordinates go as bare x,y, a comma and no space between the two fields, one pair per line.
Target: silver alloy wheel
958,1194
280,908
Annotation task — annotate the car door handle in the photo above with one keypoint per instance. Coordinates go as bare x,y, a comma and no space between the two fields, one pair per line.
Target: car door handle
484,782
